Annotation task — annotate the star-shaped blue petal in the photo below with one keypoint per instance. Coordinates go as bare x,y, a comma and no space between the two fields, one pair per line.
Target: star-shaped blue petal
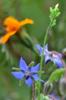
23,66
35,69
29,81
18,75
39,48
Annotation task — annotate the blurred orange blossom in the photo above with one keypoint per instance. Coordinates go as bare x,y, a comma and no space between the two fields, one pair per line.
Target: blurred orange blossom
12,26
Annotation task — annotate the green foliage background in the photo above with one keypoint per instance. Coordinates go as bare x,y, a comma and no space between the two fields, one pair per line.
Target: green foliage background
38,10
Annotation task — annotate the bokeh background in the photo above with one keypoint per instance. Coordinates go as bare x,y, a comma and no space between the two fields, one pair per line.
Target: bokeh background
37,10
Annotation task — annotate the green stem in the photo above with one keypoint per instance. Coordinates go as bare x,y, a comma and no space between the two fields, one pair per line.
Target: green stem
45,38
42,56
33,91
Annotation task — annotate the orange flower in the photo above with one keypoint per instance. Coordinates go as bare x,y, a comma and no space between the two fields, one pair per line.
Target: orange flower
12,26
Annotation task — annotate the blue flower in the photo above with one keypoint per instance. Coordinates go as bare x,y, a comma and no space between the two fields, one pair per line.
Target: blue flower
29,73
39,48
52,56
53,96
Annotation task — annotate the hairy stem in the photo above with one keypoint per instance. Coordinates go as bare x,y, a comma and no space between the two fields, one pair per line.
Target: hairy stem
42,56
33,91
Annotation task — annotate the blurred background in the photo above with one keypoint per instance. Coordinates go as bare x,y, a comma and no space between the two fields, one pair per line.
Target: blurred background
38,11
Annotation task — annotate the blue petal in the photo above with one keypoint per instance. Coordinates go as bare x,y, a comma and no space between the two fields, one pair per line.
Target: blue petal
28,81
35,68
23,65
35,76
39,48
53,95
47,59
47,54
46,47
58,62
18,75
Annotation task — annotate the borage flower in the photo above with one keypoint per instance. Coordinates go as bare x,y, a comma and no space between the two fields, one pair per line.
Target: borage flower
53,96
12,26
53,56
29,73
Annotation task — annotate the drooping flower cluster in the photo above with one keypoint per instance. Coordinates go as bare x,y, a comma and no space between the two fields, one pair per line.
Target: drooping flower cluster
29,73
52,56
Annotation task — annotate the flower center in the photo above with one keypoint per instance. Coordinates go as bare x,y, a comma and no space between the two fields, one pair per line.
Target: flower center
27,73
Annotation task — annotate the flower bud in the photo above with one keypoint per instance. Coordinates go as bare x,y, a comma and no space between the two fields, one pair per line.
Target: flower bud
62,86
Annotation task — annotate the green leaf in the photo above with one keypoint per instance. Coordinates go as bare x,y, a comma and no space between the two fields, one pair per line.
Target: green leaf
56,75
42,97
